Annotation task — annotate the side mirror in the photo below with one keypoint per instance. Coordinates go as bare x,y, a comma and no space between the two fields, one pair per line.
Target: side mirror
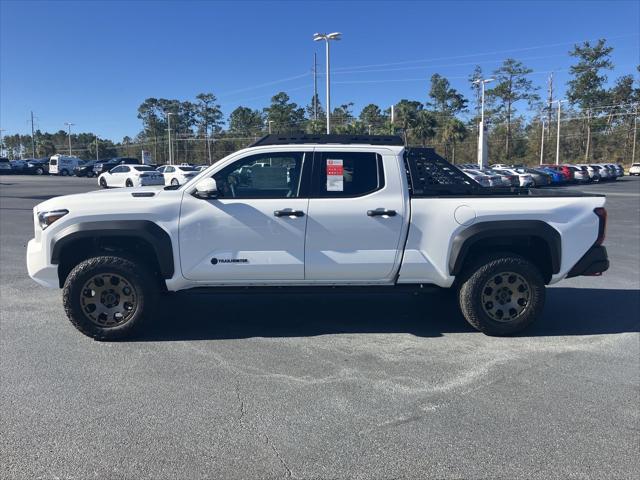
206,188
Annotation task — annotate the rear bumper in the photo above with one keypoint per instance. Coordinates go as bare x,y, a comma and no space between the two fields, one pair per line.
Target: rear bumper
594,262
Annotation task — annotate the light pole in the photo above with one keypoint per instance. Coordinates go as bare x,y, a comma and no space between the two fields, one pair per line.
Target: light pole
69,125
97,157
482,139
542,142
327,37
169,130
560,102
269,122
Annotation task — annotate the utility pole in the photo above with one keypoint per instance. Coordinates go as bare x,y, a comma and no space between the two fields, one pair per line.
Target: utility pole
269,126
542,142
69,125
169,130
393,118
482,138
327,37
2,149
315,87
97,155
635,130
560,102
369,129
549,103
33,138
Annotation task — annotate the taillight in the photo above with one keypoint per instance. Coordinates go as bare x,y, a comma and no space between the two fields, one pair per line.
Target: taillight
602,226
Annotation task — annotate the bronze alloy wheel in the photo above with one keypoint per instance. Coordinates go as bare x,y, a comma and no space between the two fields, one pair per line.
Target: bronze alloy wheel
108,300
505,296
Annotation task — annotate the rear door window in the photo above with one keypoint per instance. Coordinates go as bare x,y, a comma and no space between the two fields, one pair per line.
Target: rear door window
346,174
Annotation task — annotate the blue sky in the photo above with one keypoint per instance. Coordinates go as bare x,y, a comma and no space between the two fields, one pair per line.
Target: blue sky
93,63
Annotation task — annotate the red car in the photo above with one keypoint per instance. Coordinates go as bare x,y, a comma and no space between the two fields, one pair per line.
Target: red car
566,172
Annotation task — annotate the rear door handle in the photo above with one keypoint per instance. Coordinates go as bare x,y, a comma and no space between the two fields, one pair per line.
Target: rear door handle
379,212
289,213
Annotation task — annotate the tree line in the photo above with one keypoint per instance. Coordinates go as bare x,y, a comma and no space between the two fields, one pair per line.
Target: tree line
598,121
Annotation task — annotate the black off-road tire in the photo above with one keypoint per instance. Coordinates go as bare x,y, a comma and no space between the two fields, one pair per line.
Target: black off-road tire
145,286
475,285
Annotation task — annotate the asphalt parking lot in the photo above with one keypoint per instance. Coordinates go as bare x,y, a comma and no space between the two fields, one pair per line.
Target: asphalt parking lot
348,386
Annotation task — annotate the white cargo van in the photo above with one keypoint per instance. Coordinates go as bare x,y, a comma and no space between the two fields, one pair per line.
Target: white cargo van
63,165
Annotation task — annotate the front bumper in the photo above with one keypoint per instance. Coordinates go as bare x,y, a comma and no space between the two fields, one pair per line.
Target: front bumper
592,263
39,269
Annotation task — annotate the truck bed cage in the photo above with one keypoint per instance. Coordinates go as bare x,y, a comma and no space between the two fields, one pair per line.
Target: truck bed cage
294,139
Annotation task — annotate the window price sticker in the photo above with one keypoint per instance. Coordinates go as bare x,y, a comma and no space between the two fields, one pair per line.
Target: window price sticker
335,181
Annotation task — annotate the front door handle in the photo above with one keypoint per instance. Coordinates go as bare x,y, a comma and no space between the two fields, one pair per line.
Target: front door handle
379,212
289,213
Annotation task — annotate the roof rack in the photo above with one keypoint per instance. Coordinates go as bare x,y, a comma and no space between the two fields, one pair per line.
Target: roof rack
327,139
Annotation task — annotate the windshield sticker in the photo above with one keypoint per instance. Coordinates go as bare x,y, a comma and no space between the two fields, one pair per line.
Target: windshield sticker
335,171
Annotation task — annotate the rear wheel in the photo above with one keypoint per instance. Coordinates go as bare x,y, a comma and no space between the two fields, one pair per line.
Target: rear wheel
64,173
174,181
39,171
108,297
501,294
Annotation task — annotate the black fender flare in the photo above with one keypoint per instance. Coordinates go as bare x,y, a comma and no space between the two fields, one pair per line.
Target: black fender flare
464,240
146,230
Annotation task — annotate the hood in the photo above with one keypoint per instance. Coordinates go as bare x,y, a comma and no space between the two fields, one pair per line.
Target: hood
98,199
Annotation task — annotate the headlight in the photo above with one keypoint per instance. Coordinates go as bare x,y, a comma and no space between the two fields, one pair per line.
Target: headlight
47,218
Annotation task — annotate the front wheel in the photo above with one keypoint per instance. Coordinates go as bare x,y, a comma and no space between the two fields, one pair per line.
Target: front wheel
39,171
129,183
174,181
501,294
103,183
107,297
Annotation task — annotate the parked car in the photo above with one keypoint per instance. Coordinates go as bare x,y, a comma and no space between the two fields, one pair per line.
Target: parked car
525,179
556,177
102,167
593,174
579,175
479,177
177,174
19,166
5,166
508,179
635,169
38,166
63,165
130,176
85,169
540,179
563,169
350,215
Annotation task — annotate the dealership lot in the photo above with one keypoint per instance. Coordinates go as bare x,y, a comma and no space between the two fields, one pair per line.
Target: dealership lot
343,386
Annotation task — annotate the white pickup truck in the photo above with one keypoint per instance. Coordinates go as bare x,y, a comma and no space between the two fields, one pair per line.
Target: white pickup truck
318,212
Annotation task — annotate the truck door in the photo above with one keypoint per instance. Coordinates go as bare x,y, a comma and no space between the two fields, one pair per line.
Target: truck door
254,231
357,215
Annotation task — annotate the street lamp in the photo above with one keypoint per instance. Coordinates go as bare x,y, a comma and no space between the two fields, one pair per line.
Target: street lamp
69,125
482,140
327,37
269,122
560,102
169,130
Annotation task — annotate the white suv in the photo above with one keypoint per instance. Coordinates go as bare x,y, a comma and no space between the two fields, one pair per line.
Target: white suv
635,169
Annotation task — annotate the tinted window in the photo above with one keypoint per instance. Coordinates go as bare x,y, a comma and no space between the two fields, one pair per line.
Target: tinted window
116,170
143,168
169,169
347,174
125,169
267,175
187,169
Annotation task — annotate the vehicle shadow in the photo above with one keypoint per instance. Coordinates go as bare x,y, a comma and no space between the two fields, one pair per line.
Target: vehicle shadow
568,311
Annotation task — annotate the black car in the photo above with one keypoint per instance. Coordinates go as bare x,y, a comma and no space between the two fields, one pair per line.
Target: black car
85,169
101,167
37,166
